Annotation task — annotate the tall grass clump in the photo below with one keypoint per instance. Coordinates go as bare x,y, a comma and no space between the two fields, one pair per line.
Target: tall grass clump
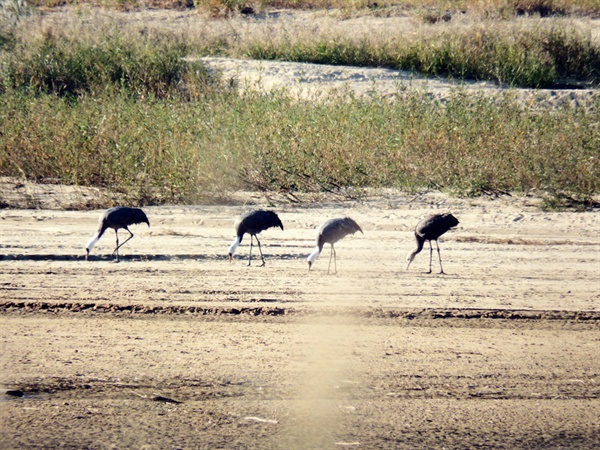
123,108
153,151
69,65
469,146
11,12
542,7
522,53
498,8
538,57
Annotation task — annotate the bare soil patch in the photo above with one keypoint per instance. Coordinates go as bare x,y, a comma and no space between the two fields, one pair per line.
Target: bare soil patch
176,348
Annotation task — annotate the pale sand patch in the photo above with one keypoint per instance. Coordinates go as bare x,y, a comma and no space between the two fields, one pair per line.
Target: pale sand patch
319,81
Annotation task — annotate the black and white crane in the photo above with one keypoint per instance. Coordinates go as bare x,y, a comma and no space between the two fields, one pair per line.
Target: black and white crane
253,222
116,218
330,232
430,229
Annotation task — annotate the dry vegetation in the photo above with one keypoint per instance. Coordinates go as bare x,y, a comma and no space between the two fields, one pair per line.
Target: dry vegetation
501,8
89,98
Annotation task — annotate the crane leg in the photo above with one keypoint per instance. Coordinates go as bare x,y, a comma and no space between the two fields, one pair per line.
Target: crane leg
439,256
430,255
122,243
334,260
332,255
117,247
261,253
250,257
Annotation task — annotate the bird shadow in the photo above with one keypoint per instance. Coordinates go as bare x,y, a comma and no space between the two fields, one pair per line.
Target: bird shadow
136,258
425,274
139,257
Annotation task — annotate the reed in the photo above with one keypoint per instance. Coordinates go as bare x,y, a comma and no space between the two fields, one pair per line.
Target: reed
159,151
94,50
508,53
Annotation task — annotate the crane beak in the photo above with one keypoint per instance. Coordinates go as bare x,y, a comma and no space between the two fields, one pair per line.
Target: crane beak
230,258
87,253
309,265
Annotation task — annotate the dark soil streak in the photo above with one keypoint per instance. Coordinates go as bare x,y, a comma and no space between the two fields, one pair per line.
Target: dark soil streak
379,313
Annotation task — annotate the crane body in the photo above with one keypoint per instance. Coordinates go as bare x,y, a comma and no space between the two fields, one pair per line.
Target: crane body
117,218
253,222
331,232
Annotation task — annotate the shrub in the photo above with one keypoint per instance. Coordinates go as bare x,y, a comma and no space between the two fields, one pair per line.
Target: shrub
69,65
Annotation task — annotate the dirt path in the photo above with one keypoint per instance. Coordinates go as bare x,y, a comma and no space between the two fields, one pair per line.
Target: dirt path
175,348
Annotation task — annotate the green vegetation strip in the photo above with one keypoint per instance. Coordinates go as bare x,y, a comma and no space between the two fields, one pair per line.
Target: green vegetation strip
161,151
522,53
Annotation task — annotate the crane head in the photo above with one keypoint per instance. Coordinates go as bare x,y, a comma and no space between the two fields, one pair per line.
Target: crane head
232,248
410,257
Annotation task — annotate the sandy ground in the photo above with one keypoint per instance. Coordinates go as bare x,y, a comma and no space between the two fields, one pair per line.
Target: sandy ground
176,348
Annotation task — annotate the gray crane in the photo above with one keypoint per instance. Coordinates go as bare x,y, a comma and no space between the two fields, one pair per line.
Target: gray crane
253,222
430,229
330,232
116,218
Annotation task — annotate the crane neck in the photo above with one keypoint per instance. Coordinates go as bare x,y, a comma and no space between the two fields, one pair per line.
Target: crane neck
234,245
314,255
411,255
420,243
90,244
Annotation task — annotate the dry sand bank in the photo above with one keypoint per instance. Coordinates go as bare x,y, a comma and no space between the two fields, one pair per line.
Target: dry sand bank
176,348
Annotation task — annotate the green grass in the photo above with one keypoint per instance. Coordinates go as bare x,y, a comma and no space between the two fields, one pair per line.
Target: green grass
70,65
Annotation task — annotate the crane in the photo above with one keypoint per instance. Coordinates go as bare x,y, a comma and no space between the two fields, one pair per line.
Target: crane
430,229
116,218
253,222
330,232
